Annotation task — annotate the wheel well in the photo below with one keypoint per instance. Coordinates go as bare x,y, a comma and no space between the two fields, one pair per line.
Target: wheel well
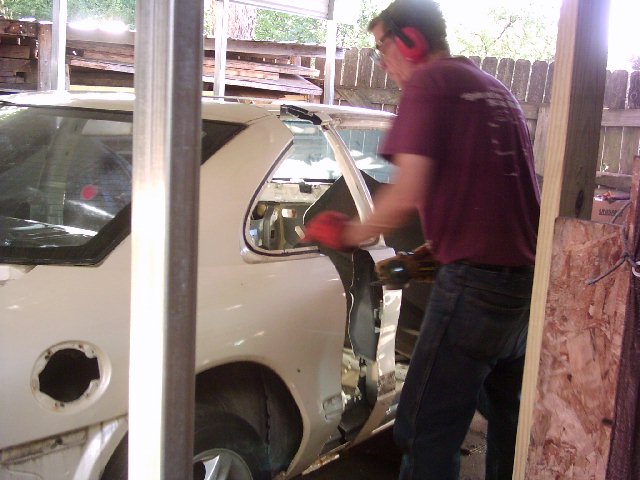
259,396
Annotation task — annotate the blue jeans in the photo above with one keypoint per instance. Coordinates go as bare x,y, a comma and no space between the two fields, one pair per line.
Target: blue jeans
469,355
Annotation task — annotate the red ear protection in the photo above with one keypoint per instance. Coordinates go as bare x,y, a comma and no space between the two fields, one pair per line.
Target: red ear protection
411,43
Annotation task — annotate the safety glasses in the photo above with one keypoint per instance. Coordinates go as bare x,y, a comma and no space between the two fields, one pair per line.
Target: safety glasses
377,54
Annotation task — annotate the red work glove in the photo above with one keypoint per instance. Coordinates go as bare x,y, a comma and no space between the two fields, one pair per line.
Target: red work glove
326,229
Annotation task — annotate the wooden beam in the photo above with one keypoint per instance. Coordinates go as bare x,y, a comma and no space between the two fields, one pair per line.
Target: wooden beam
352,96
275,48
15,51
288,83
101,65
570,167
18,28
44,56
371,95
615,181
621,118
233,45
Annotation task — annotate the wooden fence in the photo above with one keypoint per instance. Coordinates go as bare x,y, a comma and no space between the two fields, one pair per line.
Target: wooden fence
360,82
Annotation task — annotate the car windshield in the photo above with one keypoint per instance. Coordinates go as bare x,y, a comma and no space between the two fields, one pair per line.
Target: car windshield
65,181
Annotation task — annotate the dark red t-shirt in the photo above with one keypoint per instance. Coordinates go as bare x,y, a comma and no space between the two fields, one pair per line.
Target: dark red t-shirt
484,202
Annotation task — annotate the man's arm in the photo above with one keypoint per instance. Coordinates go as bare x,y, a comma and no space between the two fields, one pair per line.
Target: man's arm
394,202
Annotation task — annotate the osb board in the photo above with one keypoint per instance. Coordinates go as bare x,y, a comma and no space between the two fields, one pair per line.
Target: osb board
580,354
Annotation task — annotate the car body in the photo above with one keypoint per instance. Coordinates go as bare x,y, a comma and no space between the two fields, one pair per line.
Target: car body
296,347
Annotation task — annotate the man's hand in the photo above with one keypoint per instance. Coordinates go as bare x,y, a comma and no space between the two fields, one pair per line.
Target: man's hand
327,229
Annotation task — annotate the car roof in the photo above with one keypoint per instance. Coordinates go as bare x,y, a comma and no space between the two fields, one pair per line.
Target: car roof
230,109
124,102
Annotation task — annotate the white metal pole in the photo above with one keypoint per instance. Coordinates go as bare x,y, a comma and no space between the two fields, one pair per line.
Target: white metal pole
166,168
330,63
59,45
222,23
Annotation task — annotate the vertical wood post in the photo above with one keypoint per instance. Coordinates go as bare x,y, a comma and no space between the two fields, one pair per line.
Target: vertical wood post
44,56
570,166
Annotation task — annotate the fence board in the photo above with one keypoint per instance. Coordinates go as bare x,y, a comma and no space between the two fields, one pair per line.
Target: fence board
611,150
521,79
350,71
531,117
475,59
537,82
505,71
634,90
365,67
600,149
338,71
549,86
391,84
630,144
319,65
379,77
540,138
356,140
490,65
371,141
615,92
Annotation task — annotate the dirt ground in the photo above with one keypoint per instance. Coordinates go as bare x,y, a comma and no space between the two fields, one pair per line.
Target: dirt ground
379,459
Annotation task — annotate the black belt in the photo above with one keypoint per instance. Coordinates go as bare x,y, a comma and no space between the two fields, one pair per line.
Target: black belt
498,268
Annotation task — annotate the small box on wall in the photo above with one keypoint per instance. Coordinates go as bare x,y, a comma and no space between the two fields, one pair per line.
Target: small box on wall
608,205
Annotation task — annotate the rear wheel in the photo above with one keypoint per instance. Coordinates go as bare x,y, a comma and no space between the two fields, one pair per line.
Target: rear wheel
228,448
221,464
225,448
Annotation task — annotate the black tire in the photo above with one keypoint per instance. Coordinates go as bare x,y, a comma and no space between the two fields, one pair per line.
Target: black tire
215,433
220,431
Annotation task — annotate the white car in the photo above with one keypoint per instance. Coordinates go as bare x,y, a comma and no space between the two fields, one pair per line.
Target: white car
296,350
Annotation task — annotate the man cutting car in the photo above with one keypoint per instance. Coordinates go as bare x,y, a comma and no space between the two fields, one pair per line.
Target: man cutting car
465,162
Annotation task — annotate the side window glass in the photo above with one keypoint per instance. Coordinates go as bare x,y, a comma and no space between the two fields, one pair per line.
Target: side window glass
363,145
304,175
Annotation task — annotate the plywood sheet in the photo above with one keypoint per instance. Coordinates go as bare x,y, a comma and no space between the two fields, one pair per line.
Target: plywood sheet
580,353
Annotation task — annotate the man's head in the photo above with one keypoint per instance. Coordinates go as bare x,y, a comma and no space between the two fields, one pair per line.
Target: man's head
408,33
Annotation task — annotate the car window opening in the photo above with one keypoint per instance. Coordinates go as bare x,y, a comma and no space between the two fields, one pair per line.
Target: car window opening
65,181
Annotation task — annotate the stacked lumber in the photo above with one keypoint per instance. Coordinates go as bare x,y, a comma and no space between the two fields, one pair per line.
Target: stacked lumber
112,64
18,55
